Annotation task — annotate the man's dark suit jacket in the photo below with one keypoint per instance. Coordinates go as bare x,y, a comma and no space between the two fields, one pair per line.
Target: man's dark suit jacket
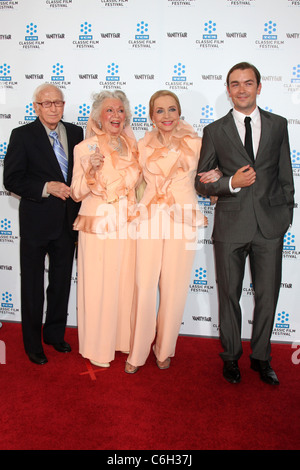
269,201
30,162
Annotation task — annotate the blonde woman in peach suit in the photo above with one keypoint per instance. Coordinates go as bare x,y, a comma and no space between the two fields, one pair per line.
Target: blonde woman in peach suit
167,232
105,175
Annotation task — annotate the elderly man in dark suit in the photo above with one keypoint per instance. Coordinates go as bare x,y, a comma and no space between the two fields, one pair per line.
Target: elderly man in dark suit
38,168
254,209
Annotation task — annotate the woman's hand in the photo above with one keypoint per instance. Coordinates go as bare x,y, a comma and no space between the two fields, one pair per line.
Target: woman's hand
210,176
97,160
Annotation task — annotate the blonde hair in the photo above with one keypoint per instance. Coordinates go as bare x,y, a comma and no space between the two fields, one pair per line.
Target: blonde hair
160,93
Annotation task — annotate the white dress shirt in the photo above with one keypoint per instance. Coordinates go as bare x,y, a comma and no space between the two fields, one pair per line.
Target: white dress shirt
256,131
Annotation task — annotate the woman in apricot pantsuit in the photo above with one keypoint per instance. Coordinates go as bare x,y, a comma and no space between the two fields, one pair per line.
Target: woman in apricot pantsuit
167,232
105,175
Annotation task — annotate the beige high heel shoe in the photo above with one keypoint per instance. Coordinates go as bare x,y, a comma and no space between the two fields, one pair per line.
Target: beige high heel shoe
130,369
100,364
163,364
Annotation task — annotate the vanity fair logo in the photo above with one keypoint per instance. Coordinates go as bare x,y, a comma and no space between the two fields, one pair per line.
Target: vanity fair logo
142,39
210,39
179,79
85,38
112,79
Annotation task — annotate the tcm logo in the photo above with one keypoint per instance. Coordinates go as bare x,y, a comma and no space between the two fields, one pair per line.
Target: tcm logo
210,29
112,73
30,113
31,32
5,226
7,300
5,73
207,115
289,242
296,74
85,32
295,157
200,277
179,72
283,320
204,201
142,30
140,113
270,29
84,112
3,148
57,71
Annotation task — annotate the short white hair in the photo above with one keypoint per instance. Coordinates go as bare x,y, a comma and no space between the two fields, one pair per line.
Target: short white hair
103,95
44,87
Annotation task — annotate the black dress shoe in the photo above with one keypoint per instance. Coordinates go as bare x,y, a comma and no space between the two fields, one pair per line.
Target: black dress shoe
266,372
38,358
61,347
231,372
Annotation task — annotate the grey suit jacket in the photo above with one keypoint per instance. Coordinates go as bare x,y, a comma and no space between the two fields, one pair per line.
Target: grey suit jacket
269,201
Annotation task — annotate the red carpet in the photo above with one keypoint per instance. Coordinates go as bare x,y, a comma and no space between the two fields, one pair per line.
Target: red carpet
69,405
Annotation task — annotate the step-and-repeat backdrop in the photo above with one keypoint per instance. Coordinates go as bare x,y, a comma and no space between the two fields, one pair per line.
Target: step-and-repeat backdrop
140,46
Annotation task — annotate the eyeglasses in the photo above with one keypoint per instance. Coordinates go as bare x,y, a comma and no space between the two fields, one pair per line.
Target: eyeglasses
48,104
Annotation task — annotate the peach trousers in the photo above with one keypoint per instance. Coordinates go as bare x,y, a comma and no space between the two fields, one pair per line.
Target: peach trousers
165,263
105,295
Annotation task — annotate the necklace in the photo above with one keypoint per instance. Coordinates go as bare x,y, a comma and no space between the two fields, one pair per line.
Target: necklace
116,144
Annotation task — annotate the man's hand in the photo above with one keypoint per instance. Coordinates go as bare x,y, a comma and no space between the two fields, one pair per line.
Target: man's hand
244,177
58,189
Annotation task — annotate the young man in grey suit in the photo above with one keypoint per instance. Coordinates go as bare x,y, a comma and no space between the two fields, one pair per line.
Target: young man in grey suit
253,211
33,170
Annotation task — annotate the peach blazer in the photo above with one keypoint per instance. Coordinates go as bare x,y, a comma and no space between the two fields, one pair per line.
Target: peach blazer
101,194
170,174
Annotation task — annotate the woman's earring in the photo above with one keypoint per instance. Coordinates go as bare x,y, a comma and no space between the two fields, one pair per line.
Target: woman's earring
99,125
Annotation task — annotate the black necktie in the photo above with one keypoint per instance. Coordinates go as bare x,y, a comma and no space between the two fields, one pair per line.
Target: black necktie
248,138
